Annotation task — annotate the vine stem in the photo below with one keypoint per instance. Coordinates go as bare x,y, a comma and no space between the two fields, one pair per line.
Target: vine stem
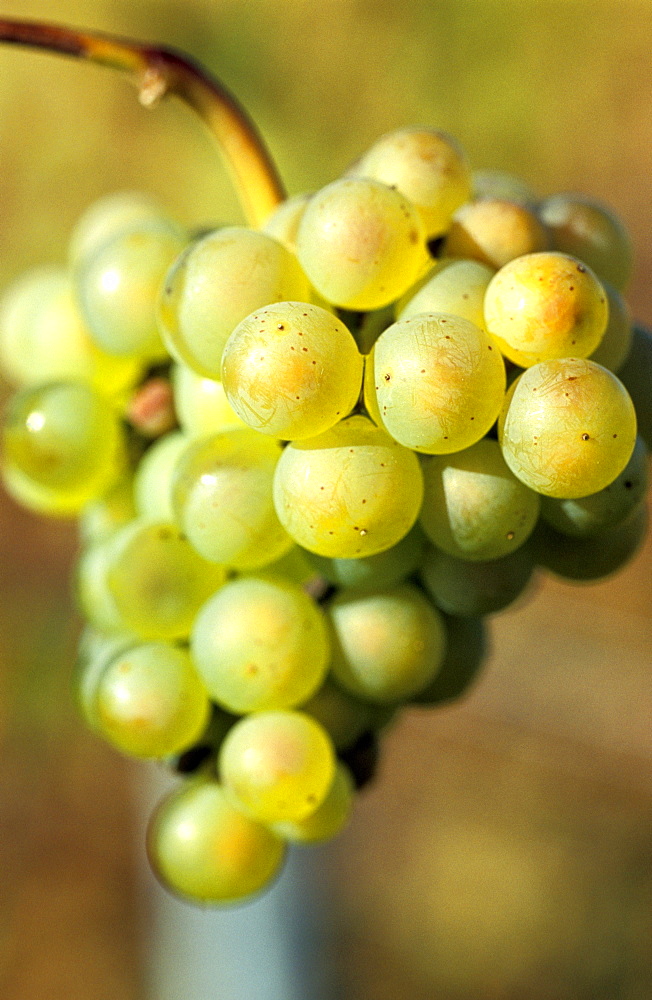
158,72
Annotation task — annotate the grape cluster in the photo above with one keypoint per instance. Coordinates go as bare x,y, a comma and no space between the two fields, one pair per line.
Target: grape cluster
308,460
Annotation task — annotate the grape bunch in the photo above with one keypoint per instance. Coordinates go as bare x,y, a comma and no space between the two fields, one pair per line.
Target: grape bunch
308,460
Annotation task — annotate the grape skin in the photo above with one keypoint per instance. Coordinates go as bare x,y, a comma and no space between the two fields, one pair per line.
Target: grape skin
452,286
495,231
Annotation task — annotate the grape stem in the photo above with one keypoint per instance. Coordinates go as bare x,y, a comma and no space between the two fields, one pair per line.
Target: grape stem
159,71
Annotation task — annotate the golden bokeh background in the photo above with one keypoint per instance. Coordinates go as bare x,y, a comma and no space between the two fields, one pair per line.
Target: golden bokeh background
505,851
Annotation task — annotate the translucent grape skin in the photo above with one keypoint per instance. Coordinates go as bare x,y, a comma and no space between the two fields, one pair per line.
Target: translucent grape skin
206,850
153,477
439,382
452,286
95,652
389,643
360,243
382,570
495,231
329,819
260,643
349,492
215,284
108,217
283,223
201,404
567,428
150,701
546,305
491,183
474,507
291,370
277,765
616,343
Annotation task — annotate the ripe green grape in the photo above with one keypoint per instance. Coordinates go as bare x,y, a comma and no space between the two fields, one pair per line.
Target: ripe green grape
616,343
453,286
283,223
277,765
95,651
62,447
222,496
291,370
495,231
389,644
344,717
568,428
206,850
466,650
428,167
260,643
474,507
349,492
589,230
111,215
546,305
150,701
153,477
381,570
219,280
201,404
636,375
360,243
439,382
466,589
100,518
329,818
118,285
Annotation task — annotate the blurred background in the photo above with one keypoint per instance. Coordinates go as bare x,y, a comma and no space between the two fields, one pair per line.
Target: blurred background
505,850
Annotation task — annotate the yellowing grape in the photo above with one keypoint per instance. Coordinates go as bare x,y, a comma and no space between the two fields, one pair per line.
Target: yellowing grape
329,818
495,231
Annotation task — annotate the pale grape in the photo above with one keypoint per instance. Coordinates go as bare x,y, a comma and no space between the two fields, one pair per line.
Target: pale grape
277,765
439,382
219,280
206,850
283,223
389,644
201,403
344,716
616,343
568,428
381,570
150,701
153,477
349,492
466,589
260,643
111,215
291,370
474,507
115,508
495,231
490,183
466,651
329,818
546,305
360,243
96,650
222,495
453,286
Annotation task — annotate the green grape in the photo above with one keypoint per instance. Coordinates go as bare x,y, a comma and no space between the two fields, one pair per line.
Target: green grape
466,651
118,285
595,557
474,507
277,765
150,701
344,717
439,382
260,643
62,447
616,343
206,850
219,280
636,375
495,231
589,230
291,370
222,495
381,570
589,515
546,305
360,243
453,286
94,653
428,167
349,492
108,217
283,223
295,566
153,477
201,403
467,589
389,644
329,818
567,428
501,184
100,518
94,598
43,337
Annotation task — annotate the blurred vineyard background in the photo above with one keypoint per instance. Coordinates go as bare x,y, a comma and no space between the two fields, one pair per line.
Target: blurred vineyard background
505,851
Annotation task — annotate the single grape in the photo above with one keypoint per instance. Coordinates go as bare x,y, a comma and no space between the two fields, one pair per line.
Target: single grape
546,305
453,286
291,370
467,589
381,570
344,717
360,243
201,403
567,428
153,477
439,382
100,518
466,651
206,850
222,495
219,280
111,215
595,557
349,492
95,651
616,343
283,223
636,375
495,231
329,818
260,643
501,184
277,765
